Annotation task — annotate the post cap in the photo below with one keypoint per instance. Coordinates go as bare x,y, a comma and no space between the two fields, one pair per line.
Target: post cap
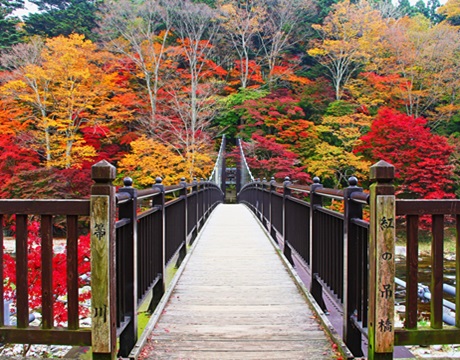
128,182
158,180
382,172
103,171
353,181
316,180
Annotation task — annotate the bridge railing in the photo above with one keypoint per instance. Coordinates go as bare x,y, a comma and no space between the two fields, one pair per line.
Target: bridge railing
297,218
437,333
134,234
354,259
46,212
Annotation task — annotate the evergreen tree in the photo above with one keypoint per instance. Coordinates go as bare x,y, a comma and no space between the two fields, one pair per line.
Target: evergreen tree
9,31
63,18
432,6
406,8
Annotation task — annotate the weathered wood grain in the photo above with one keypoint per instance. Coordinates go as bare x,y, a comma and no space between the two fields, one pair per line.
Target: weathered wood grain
236,300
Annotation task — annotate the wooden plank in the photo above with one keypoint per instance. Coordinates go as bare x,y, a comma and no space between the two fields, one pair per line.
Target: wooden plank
235,299
224,355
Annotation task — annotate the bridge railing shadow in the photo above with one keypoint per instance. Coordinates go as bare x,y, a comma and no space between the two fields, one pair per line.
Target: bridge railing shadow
352,258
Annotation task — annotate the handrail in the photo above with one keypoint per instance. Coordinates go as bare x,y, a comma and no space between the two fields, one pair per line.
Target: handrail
360,197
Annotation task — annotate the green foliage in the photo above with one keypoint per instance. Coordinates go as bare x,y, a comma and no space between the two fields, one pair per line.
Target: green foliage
229,118
63,18
10,33
340,108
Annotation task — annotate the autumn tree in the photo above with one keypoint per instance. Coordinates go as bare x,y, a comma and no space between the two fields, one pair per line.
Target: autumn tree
284,27
267,158
140,31
421,159
278,116
242,22
62,84
426,58
334,160
192,97
348,35
149,159
451,11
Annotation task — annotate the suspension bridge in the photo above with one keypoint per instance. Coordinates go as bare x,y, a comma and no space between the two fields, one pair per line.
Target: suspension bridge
280,275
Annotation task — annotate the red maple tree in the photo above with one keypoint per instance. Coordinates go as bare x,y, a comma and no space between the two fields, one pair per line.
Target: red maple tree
421,159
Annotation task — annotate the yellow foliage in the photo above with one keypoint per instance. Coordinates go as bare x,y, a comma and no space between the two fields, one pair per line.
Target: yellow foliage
332,162
67,89
149,159
451,9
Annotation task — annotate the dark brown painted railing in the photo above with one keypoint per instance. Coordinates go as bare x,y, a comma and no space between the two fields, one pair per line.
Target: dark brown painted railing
294,214
437,211
151,228
335,247
165,220
44,211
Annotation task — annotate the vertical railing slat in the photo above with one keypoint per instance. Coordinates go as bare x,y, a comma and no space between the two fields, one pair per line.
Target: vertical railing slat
72,272
46,232
412,271
21,272
437,258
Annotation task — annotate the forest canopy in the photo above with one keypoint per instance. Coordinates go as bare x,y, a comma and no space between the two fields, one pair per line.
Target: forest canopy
312,87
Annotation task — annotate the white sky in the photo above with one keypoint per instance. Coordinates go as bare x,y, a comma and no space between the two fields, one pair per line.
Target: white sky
28,9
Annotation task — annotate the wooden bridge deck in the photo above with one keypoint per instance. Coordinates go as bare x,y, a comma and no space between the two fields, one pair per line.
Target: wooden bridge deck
235,299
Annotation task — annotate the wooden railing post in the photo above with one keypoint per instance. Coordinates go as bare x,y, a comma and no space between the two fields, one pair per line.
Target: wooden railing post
352,210
287,192
381,262
257,193
263,209
183,195
223,174
102,227
197,218
315,287
272,190
128,337
159,246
